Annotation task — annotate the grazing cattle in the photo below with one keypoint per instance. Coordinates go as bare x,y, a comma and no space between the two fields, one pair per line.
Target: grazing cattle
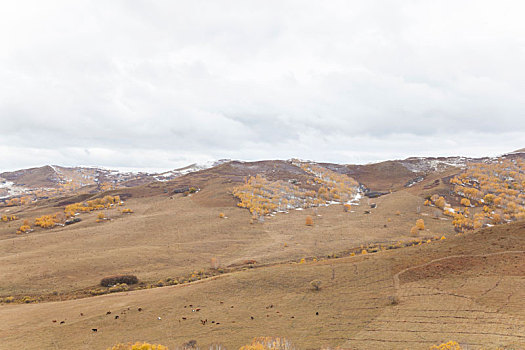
81,314
140,309
251,317
184,318
158,318
316,313
108,313
94,329
54,321
116,317
62,322
204,321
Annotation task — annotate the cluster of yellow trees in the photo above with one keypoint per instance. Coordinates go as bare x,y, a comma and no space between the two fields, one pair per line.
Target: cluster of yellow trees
24,228
48,221
261,196
95,204
420,225
260,343
333,186
492,193
6,218
19,201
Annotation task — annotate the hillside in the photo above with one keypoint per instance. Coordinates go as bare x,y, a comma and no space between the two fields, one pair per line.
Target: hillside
479,302
402,256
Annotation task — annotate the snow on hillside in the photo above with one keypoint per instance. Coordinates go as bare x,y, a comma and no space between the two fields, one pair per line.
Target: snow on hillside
9,189
169,175
426,165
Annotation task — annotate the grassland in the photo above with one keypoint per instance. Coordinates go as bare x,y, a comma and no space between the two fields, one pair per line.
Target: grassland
468,287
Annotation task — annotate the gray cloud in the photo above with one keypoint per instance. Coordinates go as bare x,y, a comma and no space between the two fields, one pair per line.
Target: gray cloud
157,84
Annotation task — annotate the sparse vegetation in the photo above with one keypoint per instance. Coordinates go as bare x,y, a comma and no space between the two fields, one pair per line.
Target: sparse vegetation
114,280
138,346
269,343
91,205
451,345
7,218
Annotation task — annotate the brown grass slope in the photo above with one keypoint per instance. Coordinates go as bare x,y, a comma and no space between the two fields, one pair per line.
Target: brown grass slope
171,235
469,288
34,177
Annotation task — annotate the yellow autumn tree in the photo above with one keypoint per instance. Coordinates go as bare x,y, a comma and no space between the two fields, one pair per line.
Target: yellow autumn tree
309,221
451,345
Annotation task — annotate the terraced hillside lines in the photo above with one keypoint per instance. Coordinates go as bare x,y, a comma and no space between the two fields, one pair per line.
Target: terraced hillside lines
452,257
429,317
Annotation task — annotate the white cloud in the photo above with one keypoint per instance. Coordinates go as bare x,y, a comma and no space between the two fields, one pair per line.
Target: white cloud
160,83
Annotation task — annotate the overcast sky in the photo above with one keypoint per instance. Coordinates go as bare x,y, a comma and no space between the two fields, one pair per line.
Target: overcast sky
162,84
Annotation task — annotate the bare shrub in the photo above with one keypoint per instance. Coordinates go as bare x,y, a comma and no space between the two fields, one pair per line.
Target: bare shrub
393,300
315,284
214,263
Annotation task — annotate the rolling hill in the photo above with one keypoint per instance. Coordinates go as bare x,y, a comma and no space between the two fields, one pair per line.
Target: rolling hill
232,241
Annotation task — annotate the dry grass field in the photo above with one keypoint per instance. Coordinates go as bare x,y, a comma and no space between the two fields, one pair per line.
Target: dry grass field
169,237
480,304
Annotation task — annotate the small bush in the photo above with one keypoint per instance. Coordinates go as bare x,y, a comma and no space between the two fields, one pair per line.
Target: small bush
316,284
214,263
98,291
114,280
393,300
120,287
309,221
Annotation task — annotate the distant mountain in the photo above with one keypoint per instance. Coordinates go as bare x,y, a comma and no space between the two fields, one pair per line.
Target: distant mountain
52,180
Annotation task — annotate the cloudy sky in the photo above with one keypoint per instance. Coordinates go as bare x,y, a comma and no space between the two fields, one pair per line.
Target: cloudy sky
161,84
